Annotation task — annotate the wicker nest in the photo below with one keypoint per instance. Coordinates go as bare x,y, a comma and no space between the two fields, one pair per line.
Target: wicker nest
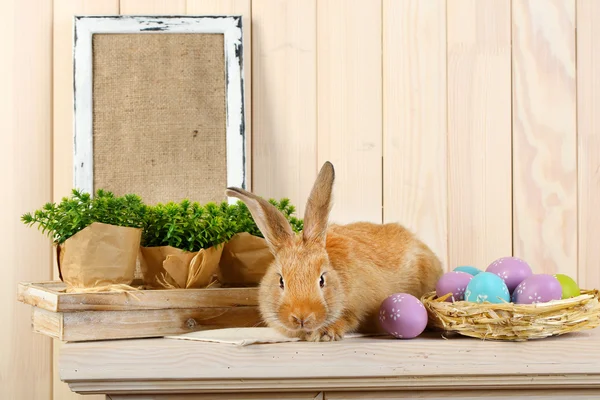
514,322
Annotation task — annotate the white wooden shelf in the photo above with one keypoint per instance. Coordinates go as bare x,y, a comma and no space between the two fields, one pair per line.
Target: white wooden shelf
162,366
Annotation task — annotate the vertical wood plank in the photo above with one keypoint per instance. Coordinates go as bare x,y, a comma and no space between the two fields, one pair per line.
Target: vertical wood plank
349,90
479,132
414,119
243,8
285,98
26,181
544,135
588,126
152,7
64,11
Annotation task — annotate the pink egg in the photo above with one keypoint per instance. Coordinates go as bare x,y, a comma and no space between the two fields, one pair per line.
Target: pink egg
538,288
403,316
454,282
512,270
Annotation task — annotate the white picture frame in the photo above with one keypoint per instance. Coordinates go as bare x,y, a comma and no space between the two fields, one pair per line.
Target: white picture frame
85,27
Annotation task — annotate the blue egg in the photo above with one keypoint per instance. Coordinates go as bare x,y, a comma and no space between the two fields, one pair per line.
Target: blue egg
487,287
468,269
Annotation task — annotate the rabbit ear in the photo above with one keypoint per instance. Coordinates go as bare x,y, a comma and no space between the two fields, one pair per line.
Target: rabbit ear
318,206
271,222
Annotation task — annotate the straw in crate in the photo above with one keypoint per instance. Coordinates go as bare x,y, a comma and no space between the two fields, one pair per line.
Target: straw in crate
508,317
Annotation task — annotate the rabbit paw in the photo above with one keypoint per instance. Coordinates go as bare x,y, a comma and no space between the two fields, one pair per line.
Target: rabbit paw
330,333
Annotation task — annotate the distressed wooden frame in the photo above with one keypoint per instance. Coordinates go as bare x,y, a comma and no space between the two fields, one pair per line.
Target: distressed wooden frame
230,26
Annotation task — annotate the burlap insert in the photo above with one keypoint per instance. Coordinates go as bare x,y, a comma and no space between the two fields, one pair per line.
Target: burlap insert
159,116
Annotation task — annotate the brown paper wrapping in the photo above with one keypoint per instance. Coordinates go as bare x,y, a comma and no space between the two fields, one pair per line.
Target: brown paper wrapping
99,255
244,260
169,267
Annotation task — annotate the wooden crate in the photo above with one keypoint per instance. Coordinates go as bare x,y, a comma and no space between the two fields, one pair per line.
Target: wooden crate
77,317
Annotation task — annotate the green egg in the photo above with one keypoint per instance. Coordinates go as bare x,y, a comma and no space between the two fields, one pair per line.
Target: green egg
569,286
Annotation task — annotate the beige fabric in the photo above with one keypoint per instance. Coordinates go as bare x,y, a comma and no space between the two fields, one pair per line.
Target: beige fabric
159,116
244,336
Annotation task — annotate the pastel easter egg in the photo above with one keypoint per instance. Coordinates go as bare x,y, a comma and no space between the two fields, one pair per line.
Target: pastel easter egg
538,288
487,287
403,316
569,286
468,269
454,282
512,270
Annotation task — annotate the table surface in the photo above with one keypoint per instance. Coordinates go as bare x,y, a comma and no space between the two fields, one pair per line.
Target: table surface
428,362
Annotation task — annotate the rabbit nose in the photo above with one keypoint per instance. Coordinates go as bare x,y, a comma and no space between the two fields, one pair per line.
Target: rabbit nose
301,319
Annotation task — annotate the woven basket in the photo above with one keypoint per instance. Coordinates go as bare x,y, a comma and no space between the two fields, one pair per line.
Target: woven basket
514,322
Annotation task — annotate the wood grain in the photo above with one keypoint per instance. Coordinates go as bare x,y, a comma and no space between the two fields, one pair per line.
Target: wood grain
349,98
75,326
243,8
25,178
556,394
64,11
51,296
62,146
47,323
215,396
414,119
588,146
424,363
544,135
285,99
479,132
152,7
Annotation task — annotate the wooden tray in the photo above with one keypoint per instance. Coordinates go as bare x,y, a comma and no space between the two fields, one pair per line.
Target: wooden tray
77,317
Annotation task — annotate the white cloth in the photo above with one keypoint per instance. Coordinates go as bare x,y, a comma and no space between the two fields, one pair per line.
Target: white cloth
243,336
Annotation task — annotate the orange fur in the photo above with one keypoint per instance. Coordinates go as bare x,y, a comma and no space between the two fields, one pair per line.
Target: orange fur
363,263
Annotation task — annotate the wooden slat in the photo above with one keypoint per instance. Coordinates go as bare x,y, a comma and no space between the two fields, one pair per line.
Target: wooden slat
588,126
152,7
38,296
243,8
479,132
285,99
47,323
25,178
64,10
349,88
229,396
544,135
424,363
48,297
414,119
62,182
105,325
512,394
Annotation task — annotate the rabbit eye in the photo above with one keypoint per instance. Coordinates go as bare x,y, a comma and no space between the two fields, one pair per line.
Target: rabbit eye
322,280
281,282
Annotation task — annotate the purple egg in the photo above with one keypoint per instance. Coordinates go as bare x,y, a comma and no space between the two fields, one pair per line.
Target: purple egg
454,282
512,270
403,316
538,288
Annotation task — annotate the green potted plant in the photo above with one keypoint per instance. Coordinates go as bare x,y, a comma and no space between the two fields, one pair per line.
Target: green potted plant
96,238
246,255
183,243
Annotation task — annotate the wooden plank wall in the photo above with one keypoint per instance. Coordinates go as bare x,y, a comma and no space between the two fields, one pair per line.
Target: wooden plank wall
475,123
25,184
